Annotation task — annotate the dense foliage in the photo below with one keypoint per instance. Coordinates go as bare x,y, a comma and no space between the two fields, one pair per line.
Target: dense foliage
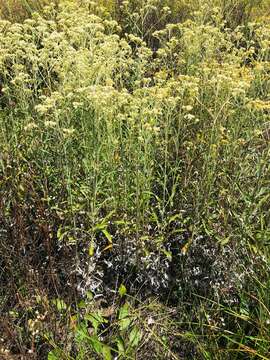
134,179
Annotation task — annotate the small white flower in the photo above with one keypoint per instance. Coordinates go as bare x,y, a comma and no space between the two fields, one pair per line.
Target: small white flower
30,126
187,107
50,123
68,132
189,116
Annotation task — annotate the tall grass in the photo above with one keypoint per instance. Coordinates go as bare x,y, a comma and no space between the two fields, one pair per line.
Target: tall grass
15,10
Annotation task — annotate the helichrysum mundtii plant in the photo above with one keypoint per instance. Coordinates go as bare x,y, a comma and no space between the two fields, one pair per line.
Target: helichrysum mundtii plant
133,151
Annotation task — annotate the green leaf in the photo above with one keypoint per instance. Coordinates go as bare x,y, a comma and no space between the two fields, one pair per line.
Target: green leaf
96,344
124,318
175,217
121,222
89,295
82,304
106,352
108,235
81,333
124,323
135,336
104,222
96,320
91,250
61,233
122,290
120,346
225,240
60,304
52,355
123,311
167,253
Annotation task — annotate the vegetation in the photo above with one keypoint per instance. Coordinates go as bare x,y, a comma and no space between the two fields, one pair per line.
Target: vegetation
134,178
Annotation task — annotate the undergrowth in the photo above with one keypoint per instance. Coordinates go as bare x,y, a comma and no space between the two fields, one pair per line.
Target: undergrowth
134,179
